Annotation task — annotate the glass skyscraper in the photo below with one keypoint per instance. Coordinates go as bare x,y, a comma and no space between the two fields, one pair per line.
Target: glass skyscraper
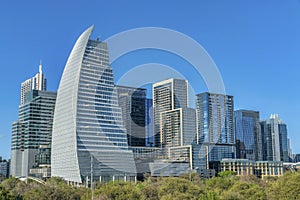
33,128
274,139
248,135
133,104
149,123
215,125
89,136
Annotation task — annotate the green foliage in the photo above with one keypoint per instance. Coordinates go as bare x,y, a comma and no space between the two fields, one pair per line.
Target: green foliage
189,186
118,191
286,187
226,174
6,194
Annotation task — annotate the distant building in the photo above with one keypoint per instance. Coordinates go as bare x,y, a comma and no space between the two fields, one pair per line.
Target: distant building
248,135
133,104
239,166
274,139
168,95
149,123
42,165
4,168
268,168
297,158
33,128
38,82
260,169
215,125
178,127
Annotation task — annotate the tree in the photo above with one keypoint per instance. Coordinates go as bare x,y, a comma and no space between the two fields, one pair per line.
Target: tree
286,187
6,194
118,191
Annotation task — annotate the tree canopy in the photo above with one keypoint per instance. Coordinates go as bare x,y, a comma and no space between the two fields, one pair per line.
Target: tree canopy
190,186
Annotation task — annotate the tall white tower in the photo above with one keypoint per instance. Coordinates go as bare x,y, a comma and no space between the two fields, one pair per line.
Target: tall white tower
38,82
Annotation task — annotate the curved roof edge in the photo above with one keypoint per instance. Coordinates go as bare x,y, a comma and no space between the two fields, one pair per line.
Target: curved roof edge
64,159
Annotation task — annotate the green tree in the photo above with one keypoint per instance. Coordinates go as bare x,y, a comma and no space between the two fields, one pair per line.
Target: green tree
243,190
118,191
286,187
179,188
6,194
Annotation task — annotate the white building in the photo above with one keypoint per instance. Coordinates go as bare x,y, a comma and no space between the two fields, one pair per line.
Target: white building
88,131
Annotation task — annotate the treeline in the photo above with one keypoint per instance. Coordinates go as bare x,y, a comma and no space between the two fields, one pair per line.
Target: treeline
190,186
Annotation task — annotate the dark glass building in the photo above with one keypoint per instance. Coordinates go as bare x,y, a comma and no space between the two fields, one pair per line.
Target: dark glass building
274,139
247,135
33,128
133,104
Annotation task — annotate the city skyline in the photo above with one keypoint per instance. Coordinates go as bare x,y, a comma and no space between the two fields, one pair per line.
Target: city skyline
260,73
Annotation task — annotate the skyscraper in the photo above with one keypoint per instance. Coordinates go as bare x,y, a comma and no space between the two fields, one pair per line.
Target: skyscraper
248,135
88,130
133,104
215,124
33,128
178,127
149,123
38,82
174,122
274,139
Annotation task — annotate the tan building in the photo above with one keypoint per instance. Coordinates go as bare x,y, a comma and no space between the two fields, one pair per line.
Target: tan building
246,167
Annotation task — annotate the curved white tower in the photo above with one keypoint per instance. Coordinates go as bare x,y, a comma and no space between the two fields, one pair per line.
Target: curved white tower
87,120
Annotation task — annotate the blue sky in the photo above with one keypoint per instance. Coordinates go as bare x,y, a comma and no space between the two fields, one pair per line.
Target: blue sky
254,43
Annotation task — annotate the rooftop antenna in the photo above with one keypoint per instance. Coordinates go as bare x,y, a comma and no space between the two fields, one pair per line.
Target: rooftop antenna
40,67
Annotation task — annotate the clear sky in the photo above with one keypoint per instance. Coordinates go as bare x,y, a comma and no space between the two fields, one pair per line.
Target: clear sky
254,43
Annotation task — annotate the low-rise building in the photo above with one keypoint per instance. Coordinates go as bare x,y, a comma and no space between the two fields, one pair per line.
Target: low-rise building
239,166
268,168
246,167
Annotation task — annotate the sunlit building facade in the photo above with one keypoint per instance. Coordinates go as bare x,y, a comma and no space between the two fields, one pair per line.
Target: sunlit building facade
38,82
215,125
89,137
274,139
167,95
33,128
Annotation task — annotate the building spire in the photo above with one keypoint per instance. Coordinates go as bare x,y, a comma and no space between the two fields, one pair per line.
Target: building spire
40,67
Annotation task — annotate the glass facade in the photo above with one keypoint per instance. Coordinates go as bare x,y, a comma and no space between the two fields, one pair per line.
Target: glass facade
38,82
248,135
274,139
149,123
215,125
133,104
88,130
33,128
167,95
178,127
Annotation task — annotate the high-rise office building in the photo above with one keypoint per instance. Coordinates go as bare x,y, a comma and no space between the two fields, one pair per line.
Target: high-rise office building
33,128
149,123
38,82
174,122
89,137
133,104
274,139
178,127
215,125
248,135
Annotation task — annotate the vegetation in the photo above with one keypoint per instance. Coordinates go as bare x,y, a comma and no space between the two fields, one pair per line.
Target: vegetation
190,186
